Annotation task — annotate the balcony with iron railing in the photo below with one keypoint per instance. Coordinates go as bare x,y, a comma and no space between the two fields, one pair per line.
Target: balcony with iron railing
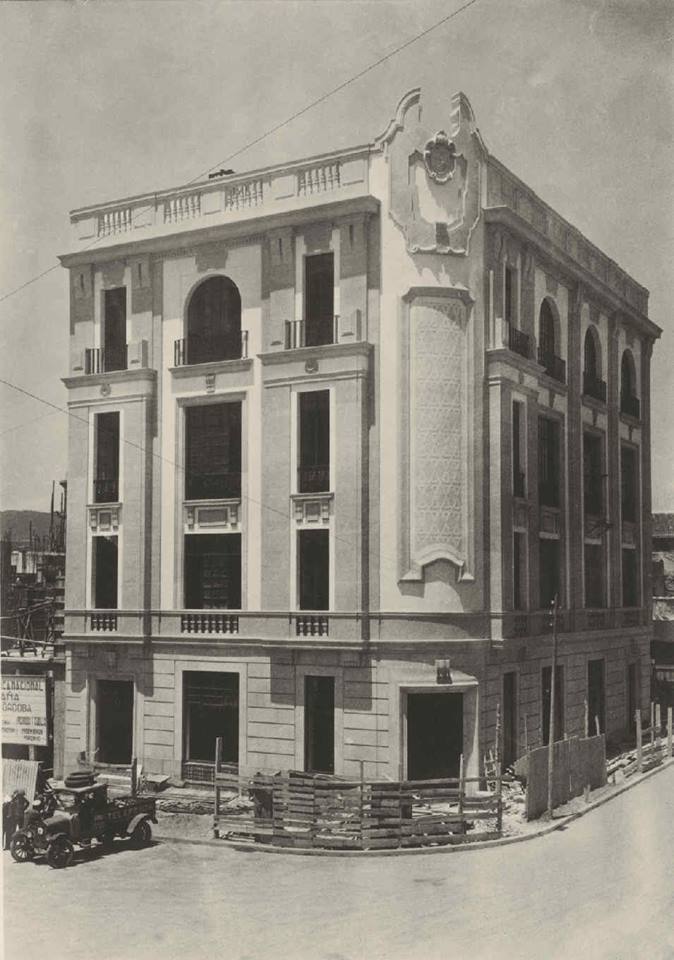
222,349
594,387
313,479
312,332
630,405
97,360
106,490
553,365
518,341
213,486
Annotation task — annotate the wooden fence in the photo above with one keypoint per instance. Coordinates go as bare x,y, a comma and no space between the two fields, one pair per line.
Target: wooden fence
578,763
653,746
294,809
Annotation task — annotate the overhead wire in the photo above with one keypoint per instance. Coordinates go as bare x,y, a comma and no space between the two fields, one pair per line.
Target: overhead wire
276,127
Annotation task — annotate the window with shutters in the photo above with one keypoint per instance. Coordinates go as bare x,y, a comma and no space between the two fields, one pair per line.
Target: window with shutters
106,460
213,451
549,465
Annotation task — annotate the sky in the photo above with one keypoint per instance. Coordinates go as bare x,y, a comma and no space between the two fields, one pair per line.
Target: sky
102,100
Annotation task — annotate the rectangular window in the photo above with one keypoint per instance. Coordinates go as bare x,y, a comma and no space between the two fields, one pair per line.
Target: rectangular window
629,481
595,697
546,683
630,578
319,724
595,591
319,294
104,570
632,695
106,464
509,718
518,449
549,572
592,475
213,571
519,571
511,295
114,329
210,710
548,462
313,566
313,471
213,451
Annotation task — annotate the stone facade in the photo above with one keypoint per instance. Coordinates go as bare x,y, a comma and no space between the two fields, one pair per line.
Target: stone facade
461,306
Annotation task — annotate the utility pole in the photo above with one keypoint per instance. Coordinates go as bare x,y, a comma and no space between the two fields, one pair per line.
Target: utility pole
551,725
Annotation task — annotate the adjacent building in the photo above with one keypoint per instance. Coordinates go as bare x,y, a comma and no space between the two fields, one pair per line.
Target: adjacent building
341,430
663,608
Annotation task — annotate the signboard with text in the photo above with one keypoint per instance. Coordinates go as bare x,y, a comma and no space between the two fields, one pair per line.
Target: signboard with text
24,710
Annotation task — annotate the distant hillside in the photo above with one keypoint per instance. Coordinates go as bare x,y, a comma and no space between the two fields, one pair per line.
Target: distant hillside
17,524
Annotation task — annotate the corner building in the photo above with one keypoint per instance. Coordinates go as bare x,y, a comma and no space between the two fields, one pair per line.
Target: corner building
341,429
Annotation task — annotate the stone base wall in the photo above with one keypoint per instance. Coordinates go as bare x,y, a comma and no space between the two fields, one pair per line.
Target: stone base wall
370,696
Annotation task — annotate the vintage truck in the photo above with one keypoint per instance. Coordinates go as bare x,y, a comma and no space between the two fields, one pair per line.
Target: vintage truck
76,815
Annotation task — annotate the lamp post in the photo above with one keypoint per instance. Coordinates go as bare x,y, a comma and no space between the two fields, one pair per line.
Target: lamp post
551,724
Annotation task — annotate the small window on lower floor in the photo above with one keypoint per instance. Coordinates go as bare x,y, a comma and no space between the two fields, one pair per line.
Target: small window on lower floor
213,571
105,573
319,724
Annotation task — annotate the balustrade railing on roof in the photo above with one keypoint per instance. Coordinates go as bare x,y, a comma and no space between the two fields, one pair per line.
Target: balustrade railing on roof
318,178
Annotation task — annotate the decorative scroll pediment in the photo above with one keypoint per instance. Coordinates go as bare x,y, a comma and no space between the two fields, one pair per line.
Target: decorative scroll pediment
434,177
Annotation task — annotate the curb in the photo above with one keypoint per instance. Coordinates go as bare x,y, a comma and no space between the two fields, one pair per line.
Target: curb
559,824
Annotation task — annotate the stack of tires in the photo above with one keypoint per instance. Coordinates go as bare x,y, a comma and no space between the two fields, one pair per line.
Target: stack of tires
78,779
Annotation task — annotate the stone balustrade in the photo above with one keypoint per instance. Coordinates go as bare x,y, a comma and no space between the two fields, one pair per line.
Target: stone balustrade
223,199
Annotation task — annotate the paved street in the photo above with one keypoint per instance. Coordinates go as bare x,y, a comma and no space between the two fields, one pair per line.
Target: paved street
602,888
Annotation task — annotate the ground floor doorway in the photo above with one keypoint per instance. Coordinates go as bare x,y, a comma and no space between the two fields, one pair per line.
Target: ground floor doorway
210,710
434,735
114,721
319,724
596,697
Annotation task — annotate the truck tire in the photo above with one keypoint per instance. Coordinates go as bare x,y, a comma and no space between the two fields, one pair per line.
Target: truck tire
60,853
142,834
21,848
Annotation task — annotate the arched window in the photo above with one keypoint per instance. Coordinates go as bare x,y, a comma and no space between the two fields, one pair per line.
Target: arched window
629,401
548,342
593,385
214,322
546,329
590,365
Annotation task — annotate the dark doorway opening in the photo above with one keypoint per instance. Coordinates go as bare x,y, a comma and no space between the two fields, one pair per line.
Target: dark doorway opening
319,724
313,472
509,718
214,322
632,696
314,569
596,696
434,735
114,330
114,721
211,710
320,299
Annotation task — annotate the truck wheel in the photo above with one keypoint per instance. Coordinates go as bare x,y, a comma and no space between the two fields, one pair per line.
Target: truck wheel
59,853
21,848
142,834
